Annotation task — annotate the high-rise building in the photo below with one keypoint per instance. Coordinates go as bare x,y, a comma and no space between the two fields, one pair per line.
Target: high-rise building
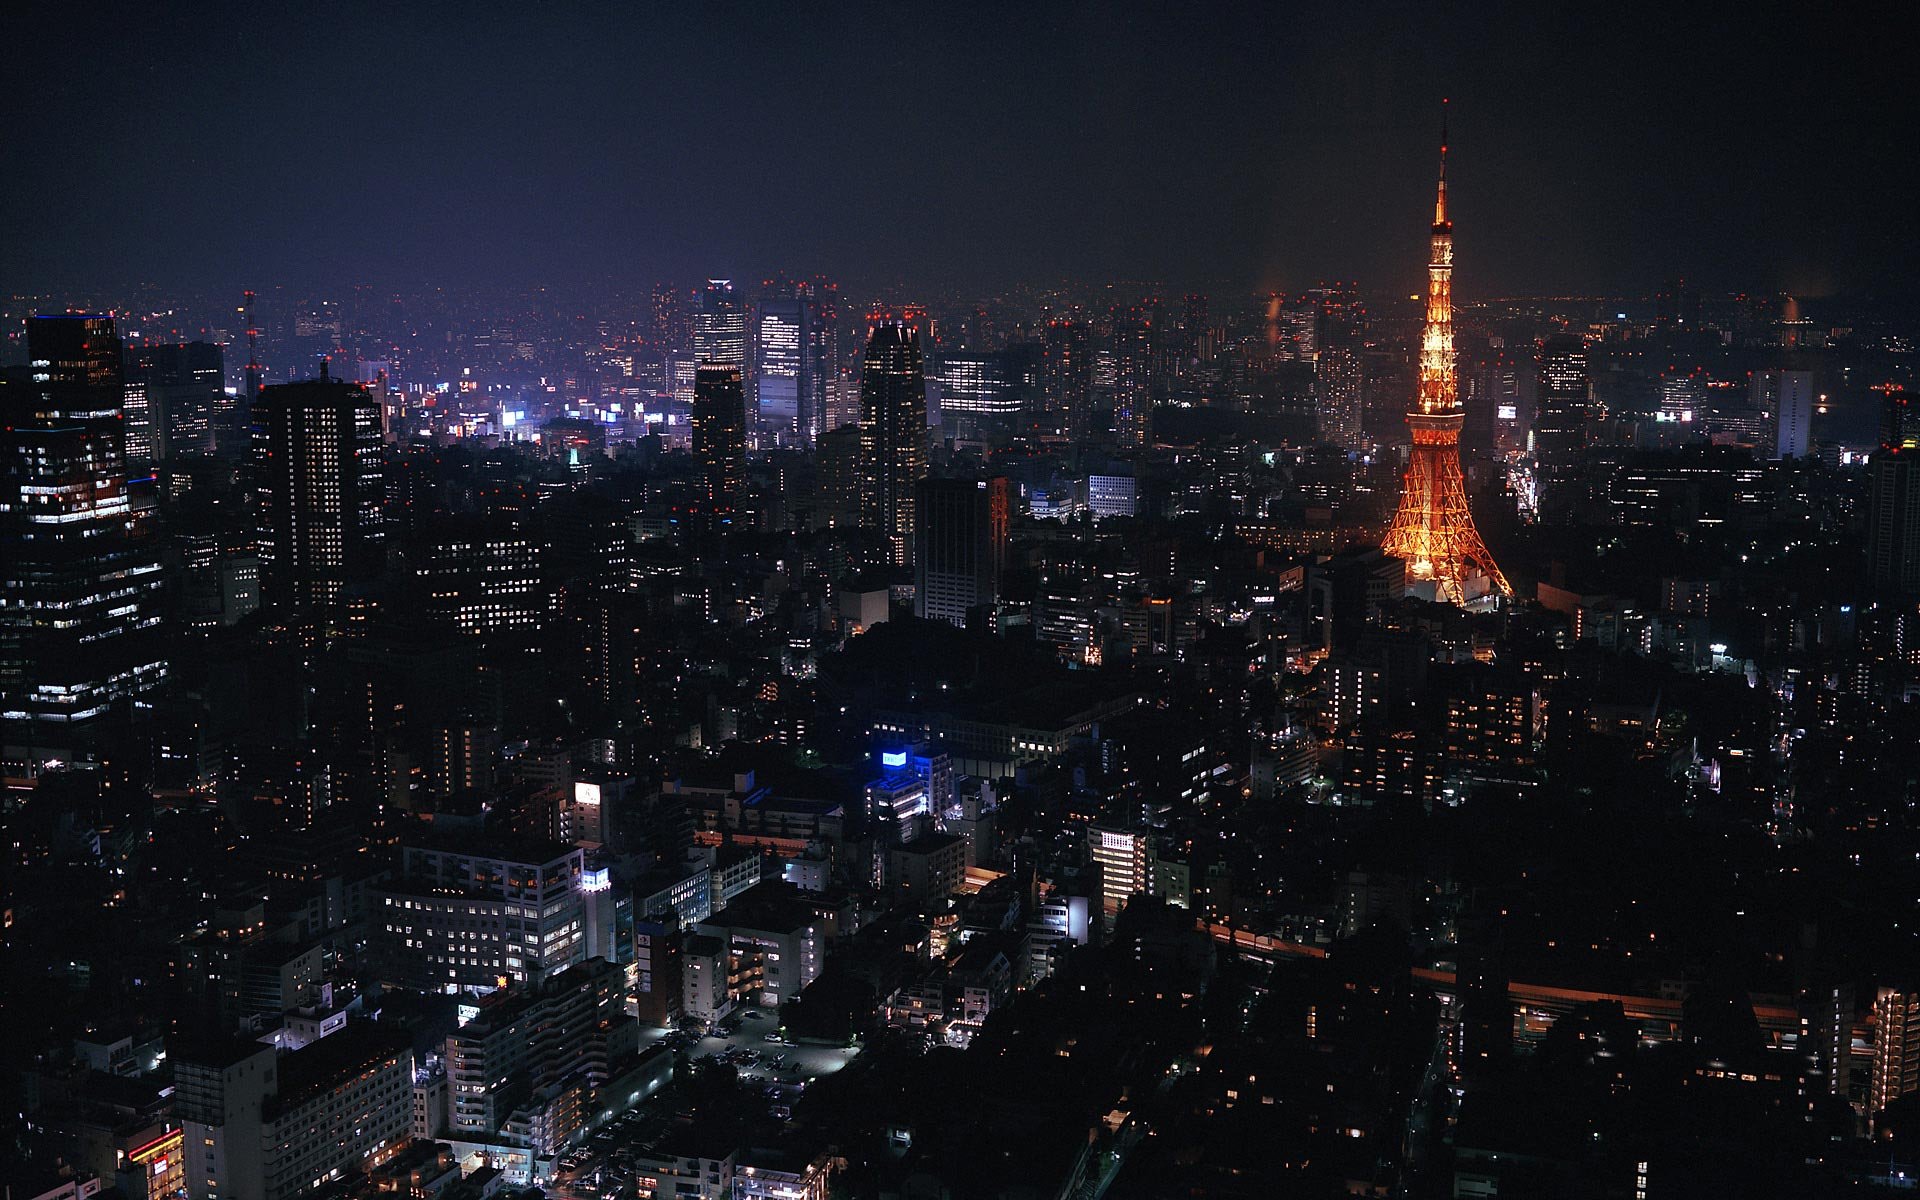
720,327
181,388
532,1045
1123,861
1433,530
959,547
479,576
318,488
1893,504
837,497
782,372
1787,398
794,361
1066,375
1136,360
720,434
1564,427
977,383
893,432
79,572
1896,1047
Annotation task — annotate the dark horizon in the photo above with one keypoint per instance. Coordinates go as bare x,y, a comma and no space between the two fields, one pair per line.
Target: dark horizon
1592,154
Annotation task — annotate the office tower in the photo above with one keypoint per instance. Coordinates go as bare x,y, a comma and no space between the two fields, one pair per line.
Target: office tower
1433,531
782,372
1787,398
318,489
479,913
720,435
1564,428
720,327
79,572
837,497
1123,862
479,576
182,389
1893,504
1112,495
217,580
978,384
794,361
959,546
1066,376
672,322
1136,358
893,432
1681,398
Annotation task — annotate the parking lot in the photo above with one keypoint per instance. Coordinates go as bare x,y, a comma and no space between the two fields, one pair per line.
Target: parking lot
747,1045
601,1167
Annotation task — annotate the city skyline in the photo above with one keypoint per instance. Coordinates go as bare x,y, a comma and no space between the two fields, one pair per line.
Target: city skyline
881,603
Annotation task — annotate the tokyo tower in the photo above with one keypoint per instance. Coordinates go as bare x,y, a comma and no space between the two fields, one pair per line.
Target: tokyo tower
1433,530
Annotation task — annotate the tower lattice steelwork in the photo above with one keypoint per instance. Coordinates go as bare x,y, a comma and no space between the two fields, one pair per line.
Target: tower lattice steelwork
1433,530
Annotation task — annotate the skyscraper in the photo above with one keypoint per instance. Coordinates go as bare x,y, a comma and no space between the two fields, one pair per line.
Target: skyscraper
1433,531
1136,359
1066,375
959,546
1893,505
720,434
1565,424
182,386
1336,365
793,361
893,431
720,327
318,488
79,575
1787,398
1123,860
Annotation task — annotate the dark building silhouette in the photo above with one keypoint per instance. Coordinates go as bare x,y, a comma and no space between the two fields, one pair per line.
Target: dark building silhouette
79,572
319,487
893,432
1893,505
1066,375
1565,425
959,546
720,434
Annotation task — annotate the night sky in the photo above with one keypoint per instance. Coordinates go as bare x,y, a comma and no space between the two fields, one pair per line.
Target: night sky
1597,147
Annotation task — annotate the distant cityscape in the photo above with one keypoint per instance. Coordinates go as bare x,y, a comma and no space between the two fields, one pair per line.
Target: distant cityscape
744,740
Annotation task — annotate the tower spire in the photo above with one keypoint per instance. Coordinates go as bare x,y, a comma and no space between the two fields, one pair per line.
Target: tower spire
1433,531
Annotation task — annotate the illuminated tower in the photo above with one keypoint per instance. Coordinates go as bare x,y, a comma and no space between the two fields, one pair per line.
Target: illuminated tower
79,567
1433,530
893,432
